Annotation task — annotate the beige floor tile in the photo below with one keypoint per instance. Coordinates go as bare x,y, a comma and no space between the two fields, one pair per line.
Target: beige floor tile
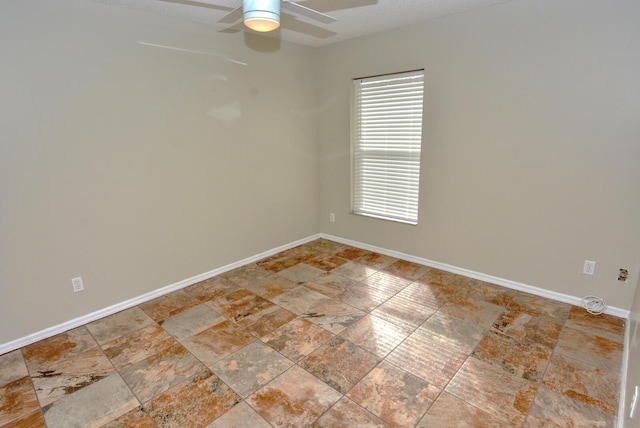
294,399
395,396
591,349
543,307
602,325
364,297
238,305
443,278
250,368
138,345
247,274
64,377
430,359
155,374
136,418
301,273
323,246
490,293
387,282
375,335
93,406
192,321
240,416
346,413
45,352
521,360
393,335
407,269
17,401
402,312
551,409
487,387
212,288
527,328
34,419
12,367
449,411
432,296
167,306
270,286
194,403
266,320
326,263
352,253
339,363
217,342
333,315
582,382
119,324
376,260
299,300
355,271
297,339
472,309
330,284
452,332
281,261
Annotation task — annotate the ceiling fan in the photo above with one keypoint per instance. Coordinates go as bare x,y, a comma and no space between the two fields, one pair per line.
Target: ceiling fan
264,15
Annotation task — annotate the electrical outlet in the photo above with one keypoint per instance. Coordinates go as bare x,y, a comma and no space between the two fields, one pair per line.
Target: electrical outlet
77,284
589,267
634,404
332,217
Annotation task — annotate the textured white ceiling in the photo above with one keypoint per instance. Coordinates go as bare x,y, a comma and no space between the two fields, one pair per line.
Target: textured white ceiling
354,17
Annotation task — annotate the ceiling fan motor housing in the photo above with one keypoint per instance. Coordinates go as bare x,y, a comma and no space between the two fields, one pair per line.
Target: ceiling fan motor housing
264,12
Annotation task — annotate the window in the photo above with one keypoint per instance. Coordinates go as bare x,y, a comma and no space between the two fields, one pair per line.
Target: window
387,138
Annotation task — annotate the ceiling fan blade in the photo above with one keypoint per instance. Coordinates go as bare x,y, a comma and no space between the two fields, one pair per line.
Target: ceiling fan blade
293,23
233,16
305,11
196,3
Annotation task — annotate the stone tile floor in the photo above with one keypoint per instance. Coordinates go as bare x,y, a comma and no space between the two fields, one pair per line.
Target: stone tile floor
325,335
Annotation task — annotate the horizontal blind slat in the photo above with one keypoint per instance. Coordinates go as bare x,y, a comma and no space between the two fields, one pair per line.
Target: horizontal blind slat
388,132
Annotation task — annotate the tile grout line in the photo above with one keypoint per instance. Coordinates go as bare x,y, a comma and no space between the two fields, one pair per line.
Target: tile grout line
140,405
33,387
554,351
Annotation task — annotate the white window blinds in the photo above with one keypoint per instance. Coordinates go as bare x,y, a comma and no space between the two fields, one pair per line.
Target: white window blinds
387,141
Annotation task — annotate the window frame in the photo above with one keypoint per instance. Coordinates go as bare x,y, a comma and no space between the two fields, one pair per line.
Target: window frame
358,207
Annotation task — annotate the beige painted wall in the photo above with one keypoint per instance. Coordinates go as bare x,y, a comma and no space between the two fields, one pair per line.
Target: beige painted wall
531,142
136,166
633,361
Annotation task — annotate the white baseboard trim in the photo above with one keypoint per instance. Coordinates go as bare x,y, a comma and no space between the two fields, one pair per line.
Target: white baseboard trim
622,398
94,316
577,301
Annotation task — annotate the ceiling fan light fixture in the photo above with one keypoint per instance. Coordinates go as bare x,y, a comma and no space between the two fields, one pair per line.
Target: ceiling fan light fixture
261,15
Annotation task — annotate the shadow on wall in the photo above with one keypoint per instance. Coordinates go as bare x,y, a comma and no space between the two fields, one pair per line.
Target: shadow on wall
262,44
